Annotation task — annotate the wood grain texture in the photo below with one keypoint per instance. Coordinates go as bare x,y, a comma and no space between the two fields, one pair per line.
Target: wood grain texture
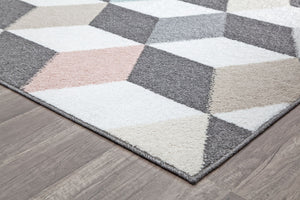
12,105
232,196
45,156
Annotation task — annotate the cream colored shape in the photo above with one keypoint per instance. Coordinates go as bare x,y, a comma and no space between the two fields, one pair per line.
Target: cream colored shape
41,17
255,85
178,142
237,5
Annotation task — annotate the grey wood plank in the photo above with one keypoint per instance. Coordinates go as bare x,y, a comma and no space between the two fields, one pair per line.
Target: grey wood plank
100,169
24,131
142,180
278,177
128,177
122,182
12,105
169,187
3,90
49,161
232,196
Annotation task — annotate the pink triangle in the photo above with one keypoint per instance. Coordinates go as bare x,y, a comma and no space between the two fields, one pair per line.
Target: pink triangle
73,69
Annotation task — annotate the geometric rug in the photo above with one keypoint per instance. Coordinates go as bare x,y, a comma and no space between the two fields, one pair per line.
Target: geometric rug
183,83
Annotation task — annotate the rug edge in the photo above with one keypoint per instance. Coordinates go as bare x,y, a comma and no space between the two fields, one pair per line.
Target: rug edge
196,178
191,179
103,133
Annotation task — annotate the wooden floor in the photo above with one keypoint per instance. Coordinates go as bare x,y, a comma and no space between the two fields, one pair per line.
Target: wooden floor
45,156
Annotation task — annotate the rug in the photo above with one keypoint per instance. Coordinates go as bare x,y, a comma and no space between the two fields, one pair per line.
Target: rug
183,83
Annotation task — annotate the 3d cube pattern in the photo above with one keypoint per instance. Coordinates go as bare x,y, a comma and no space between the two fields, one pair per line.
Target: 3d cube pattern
185,81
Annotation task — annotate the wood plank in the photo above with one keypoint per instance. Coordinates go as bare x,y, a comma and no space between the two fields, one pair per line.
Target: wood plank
3,90
232,196
78,181
118,174
12,105
277,177
24,131
169,187
47,162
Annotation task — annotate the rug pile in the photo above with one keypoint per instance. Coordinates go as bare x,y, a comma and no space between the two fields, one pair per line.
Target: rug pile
184,84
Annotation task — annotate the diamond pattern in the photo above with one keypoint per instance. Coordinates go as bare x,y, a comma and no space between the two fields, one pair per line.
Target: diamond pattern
251,119
42,3
73,38
21,59
214,4
11,10
129,102
126,23
51,16
207,50
187,28
295,3
71,69
259,84
186,82
166,8
177,78
237,5
259,33
222,138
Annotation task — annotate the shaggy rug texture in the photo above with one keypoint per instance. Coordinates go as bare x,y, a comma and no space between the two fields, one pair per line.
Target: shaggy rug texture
182,83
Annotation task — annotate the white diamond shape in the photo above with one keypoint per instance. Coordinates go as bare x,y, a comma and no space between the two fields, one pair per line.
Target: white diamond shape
284,16
252,118
166,8
220,52
115,105
73,38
